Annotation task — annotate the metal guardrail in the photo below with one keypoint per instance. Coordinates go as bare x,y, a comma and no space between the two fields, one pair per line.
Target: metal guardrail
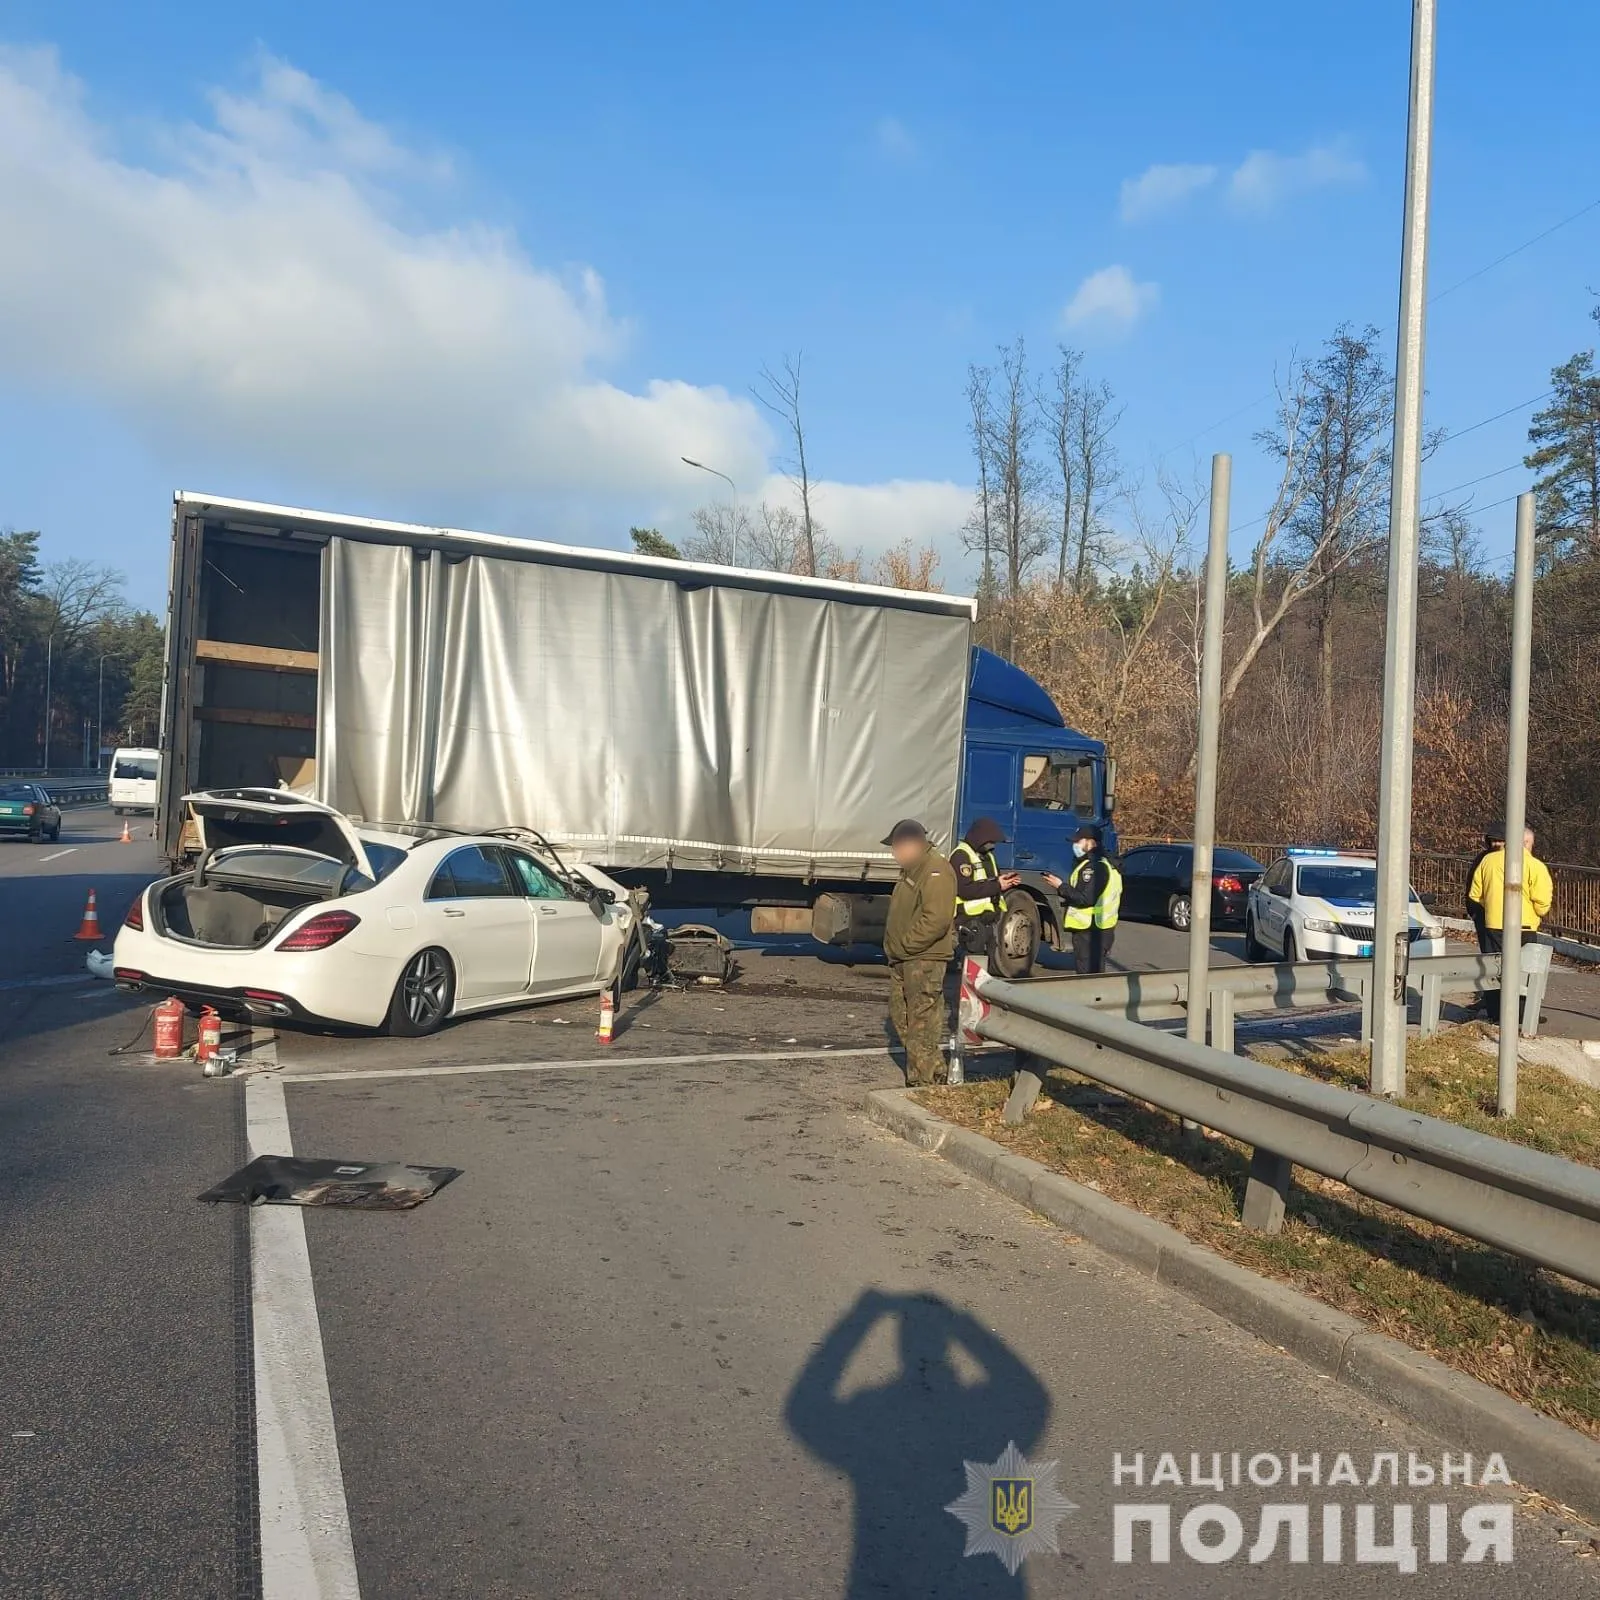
79,793
1285,986
66,786
1535,1205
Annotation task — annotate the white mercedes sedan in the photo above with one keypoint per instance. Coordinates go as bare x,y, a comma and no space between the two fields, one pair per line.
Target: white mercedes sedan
294,913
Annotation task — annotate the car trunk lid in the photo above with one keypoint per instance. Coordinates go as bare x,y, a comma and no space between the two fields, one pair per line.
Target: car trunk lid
228,817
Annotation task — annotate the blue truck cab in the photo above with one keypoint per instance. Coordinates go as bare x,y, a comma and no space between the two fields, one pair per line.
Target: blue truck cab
1040,780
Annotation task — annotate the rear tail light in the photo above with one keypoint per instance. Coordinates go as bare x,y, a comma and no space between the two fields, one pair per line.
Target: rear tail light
327,927
1230,884
27,811
135,916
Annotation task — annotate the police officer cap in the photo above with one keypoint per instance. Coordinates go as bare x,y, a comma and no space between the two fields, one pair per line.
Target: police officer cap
1090,831
907,828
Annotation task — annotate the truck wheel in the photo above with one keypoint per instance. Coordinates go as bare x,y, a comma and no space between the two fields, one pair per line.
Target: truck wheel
1017,933
423,996
1178,912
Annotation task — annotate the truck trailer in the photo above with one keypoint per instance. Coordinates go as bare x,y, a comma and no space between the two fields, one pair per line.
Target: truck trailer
727,739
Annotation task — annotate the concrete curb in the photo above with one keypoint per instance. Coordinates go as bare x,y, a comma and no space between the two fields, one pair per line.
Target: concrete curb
1466,1414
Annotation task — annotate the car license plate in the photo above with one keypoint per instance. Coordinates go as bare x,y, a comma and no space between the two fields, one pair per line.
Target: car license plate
1364,951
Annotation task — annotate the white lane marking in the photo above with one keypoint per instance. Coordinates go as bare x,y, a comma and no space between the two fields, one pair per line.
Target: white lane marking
306,1549
57,856
457,1071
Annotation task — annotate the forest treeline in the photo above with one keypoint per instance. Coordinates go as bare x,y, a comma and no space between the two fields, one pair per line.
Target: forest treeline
1089,578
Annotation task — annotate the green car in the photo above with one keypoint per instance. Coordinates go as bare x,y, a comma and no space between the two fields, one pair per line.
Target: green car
27,812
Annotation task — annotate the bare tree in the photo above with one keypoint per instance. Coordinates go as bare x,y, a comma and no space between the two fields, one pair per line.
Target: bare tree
1095,418
1058,405
979,533
779,392
80,595
1014,423
1163,542
1343,512
721,534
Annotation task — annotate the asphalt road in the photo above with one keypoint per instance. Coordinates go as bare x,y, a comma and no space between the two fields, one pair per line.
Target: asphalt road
603,1359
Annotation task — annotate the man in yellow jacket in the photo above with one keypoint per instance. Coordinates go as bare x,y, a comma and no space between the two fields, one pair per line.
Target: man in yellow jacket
1487,896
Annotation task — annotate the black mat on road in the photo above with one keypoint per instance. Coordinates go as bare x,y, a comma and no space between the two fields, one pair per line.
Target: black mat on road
357,1185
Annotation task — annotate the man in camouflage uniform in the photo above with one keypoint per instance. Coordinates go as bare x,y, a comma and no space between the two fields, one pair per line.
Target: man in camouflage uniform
919,940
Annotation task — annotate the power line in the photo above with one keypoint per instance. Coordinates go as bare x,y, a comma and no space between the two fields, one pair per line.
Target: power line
1459,433
1456,488
1460,283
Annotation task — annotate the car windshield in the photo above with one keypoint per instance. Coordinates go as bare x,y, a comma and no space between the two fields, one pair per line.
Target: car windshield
139,767
1343,881
16,791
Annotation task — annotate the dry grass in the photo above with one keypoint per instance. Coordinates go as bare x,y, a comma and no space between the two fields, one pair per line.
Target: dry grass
1530,1333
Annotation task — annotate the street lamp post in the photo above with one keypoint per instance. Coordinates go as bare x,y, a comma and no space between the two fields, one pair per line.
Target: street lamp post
1392,921
49,663
734,530
100,711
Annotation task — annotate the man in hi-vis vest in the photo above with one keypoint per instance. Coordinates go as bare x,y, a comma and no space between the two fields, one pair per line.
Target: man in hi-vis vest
980,885
1090,897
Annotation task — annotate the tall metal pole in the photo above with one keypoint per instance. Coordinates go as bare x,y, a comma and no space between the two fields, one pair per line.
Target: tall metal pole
1516,808
1391,933
49,663
1205,772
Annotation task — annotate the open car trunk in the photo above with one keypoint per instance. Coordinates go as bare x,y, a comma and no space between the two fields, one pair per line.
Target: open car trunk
237,897
222,914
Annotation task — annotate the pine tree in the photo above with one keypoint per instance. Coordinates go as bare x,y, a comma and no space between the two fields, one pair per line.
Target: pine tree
1566,455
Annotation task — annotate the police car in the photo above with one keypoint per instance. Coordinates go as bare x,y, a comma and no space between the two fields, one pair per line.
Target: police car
1313,904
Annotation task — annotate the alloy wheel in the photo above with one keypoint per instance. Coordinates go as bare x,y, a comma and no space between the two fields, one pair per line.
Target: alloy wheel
425,988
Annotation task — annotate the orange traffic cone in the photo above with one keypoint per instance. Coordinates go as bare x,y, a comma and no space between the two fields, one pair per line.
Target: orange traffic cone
127,837
89,928
608,1012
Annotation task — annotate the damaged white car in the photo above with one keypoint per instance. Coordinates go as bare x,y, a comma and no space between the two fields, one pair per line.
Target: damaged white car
294,913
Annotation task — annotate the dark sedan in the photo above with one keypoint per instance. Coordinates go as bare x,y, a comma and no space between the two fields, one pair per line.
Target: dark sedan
1156,879
27,812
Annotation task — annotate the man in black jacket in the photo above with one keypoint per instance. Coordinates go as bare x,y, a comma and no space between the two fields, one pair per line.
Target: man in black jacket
1091,897
980,885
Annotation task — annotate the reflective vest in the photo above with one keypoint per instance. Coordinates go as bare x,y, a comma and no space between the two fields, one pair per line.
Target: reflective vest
984,866
1103,913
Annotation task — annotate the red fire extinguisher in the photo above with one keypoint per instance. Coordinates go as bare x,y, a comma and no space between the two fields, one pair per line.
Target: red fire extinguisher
169,1028
210,1034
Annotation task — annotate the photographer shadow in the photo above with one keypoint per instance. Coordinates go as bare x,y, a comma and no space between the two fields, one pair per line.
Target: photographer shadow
902,1443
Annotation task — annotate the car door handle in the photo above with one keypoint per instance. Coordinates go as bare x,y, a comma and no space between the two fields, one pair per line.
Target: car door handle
549,911
1025,855
454,911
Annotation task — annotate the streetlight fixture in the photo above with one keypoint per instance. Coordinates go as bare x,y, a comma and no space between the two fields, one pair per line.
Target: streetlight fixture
734,532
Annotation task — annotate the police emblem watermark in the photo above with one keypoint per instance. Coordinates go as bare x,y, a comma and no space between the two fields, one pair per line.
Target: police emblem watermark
1011,1508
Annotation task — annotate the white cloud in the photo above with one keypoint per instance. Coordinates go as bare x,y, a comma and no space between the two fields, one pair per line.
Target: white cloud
1264,177
259,298
1110,299
1162,188
872,517
894,140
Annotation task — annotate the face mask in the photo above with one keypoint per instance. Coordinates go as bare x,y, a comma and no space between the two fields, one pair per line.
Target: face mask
1080,847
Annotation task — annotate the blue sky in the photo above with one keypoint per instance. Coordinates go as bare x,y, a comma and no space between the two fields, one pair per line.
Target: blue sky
502,264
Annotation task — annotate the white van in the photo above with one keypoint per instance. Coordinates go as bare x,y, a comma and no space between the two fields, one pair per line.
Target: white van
133,780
